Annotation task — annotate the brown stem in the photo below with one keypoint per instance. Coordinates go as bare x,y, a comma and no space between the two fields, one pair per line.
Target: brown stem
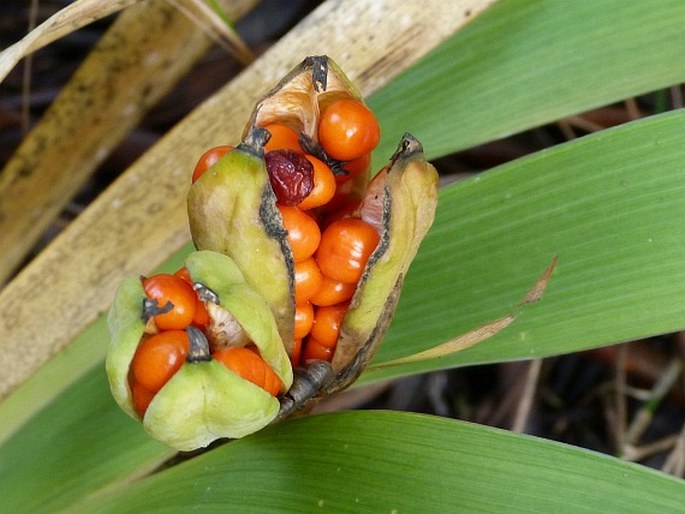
307,383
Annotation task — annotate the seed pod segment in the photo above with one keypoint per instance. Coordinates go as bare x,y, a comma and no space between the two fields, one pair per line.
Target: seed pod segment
231,207
222,276
299,97
401,202
203,400
232,210
126,327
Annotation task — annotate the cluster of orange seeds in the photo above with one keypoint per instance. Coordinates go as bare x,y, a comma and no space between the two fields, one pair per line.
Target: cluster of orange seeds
330,247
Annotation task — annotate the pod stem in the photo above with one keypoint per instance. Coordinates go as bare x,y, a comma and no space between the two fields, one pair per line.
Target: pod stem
307,383
199,346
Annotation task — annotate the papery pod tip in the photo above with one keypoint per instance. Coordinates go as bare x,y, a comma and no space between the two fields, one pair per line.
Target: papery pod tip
407,147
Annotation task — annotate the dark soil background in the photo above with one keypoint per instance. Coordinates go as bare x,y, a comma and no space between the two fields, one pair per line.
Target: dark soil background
626,400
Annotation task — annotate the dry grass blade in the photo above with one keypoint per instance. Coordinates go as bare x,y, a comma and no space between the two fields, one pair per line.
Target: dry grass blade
675,462
26,78
141,218
527,399
645,415
217,29
457,344
71,18
535,293
480,334
145,52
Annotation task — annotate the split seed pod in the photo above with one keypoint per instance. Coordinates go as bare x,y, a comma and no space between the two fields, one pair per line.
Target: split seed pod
203,400
232,210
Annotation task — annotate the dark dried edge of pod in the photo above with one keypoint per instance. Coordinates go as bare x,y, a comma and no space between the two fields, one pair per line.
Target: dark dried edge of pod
199,346
367,350
273,225
406,148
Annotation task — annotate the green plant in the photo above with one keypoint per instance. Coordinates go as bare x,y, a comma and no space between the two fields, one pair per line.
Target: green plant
608,206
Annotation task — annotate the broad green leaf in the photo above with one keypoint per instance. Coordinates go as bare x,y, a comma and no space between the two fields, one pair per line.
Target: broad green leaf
66,368
78,444
610,206
396,462
489,42
524,63
596,203
591,202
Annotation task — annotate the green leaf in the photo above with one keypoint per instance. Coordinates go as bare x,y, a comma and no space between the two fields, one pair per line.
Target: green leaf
396,462
524,63
610,206
80,443
64,369
498,67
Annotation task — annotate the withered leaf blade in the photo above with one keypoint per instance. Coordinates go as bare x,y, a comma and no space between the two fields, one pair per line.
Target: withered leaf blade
76,15
144,53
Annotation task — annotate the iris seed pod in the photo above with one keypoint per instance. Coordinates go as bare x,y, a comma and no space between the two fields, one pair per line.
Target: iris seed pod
203,400
232,210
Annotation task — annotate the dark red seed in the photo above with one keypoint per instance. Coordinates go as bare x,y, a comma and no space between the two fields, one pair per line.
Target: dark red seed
291,175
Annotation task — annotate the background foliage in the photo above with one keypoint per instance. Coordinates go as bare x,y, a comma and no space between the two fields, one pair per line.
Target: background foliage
607,205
